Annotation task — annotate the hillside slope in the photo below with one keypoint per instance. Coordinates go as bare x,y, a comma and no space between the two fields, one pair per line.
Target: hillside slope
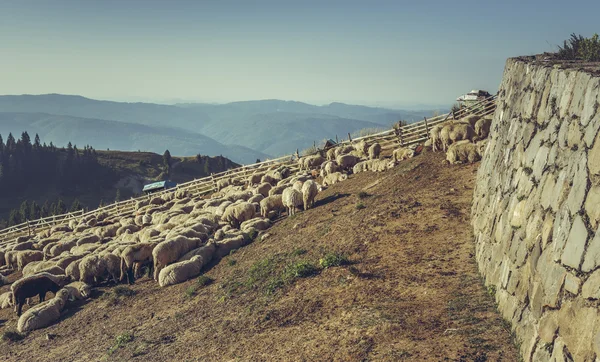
412,291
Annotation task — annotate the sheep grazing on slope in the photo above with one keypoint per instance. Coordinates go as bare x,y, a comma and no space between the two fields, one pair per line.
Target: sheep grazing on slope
26,245
10,258
328,168
135,254
72,270
27,256
334,178
343,150
263,189
453,132
38,284
402,153
226,245
181,271
271,203
171,250
223,183
255,178
434,136
91,269
236,214
44,314
309,191
257,224
78,290
292,199
374,151
330,155
6,300
471,119
362,148
278,190
88,239
298,185
256,198
346,162
463,151
482,127
310,162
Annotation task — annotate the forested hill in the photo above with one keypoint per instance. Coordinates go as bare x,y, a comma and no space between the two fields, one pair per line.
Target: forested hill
39,179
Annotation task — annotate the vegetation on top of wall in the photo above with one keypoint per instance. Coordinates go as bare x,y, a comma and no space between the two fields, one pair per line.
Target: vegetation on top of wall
578,47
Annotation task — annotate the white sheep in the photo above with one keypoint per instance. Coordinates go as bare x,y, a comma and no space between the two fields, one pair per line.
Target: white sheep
455,131
334,178
434,136
78,290
226,245
255,178
329,167
330,155
181,271
346,162
402,153
482,127
236,214
342,150
463,151
6,300
44,314
25,257
263,189
91,269
258,223
309,191
171,250
292,199
374,151
278,190
361,147
271,203
135,255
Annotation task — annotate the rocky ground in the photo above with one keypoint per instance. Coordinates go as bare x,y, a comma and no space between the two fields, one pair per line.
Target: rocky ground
382,269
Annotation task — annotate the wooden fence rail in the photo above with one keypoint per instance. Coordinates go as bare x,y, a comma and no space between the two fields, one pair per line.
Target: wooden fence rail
406,135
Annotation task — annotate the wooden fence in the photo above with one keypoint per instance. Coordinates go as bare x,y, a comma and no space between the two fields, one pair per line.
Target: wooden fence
402,136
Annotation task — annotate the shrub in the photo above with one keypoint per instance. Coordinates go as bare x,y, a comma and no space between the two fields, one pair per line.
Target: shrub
203,280
120,341
362,195
360,206
578,47
301,269
332,260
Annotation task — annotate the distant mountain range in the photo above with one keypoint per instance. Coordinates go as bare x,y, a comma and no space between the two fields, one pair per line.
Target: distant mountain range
241,131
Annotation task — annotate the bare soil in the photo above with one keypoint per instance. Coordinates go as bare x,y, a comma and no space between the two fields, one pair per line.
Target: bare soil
409,291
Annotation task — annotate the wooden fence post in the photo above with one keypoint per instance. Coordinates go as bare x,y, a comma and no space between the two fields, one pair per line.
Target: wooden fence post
426,128
336,139
349,138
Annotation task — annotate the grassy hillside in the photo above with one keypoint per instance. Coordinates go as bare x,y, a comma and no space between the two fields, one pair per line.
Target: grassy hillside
404,286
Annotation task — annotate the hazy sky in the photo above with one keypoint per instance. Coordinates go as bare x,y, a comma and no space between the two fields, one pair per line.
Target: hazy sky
366,52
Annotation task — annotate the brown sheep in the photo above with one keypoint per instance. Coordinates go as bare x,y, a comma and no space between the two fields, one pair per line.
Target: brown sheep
135,254
38,284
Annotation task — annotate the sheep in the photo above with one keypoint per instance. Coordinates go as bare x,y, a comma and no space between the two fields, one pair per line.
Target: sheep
298,185
206,252
181,271
257,198
25,257
92,268
471,119
482,127
309,191
463,151
10,258
130,227
26,245
146,220
236,214
346,162
434,136
374,151
334,178
402,153
271,203
343,150
88,239
2,259
62,246
27,287
361,147
169,251
312,161
329,167
277,190
44,314
78,290
330,155
225,246
65,261
3,280
454,131
263,189
255,178
113,266
6,300
291,200
72,270
268,179
256,224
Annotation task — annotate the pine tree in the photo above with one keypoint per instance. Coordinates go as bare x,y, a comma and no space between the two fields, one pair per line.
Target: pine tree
206,168
46,210
14,218
24,211
34,211
257,160
75,206
167,159
60,208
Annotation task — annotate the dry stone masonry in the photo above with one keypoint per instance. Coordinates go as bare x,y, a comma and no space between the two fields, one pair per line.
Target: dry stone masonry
536,210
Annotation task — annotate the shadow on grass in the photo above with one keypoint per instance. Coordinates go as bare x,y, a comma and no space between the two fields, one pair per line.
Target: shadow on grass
329,199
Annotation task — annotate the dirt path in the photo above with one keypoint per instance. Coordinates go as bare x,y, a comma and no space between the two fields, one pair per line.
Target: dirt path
411,290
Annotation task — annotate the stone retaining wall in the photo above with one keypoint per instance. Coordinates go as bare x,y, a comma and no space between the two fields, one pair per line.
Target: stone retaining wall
536,210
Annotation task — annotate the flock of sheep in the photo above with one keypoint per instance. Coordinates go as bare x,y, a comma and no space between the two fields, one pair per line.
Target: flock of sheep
176,235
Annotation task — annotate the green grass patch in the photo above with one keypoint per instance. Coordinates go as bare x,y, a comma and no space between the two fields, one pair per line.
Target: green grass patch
332,260
118,294
298,252
201,282
360,206
231,262
120,341
363,195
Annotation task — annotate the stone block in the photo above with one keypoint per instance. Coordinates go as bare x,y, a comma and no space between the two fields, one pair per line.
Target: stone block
560,233
594,156
548,326
552,276
576,324
572,284
592,256
591,287
589,102
518,217
592,206
547,227
575,246
580,181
